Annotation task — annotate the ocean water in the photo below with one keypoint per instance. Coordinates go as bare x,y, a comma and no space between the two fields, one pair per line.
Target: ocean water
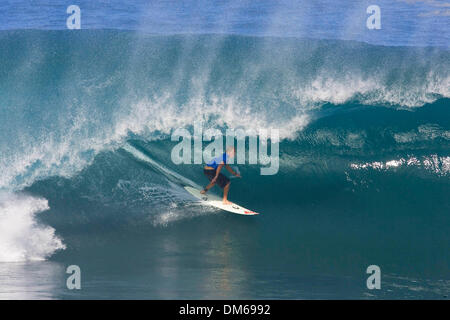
86,118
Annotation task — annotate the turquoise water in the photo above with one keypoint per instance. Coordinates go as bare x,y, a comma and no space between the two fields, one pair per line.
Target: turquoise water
364,158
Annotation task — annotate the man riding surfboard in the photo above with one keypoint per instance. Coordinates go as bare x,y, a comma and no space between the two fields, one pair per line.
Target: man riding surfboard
212,172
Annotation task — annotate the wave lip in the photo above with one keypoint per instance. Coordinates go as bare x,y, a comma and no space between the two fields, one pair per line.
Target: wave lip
22,237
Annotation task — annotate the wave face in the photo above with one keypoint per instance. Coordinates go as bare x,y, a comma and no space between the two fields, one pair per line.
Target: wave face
61,111
364,130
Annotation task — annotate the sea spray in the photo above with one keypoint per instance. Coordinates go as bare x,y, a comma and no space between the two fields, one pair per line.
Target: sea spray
22,237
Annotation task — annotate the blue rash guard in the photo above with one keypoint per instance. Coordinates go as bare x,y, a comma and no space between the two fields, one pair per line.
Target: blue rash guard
214,163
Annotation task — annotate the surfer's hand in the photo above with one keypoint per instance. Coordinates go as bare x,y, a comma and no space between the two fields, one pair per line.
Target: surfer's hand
214,179
238,175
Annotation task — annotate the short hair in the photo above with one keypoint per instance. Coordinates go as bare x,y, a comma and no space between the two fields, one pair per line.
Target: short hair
231,148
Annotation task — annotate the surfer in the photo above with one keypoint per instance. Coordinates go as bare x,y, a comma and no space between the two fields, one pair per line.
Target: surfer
212,171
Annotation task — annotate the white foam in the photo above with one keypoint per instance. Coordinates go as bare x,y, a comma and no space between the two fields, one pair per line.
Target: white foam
431,163
22,237
189,211
370,90
425,132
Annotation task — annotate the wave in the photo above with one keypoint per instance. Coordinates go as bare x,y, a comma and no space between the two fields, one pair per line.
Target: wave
67,96
169,174
88,116
22,237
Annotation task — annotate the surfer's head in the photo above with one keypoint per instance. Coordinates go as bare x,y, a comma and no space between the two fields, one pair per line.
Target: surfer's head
231,151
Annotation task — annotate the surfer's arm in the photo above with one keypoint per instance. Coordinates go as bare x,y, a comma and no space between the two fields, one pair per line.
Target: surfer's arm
231,171
217,172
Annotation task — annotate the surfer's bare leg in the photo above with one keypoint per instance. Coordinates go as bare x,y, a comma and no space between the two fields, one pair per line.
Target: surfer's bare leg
225,194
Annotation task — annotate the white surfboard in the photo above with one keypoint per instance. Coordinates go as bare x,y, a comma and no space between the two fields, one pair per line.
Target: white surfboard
216,201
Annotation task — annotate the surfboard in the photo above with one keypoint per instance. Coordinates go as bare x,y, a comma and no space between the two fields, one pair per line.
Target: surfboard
215,201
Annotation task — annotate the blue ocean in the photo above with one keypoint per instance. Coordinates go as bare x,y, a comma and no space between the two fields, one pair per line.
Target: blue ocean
86,118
